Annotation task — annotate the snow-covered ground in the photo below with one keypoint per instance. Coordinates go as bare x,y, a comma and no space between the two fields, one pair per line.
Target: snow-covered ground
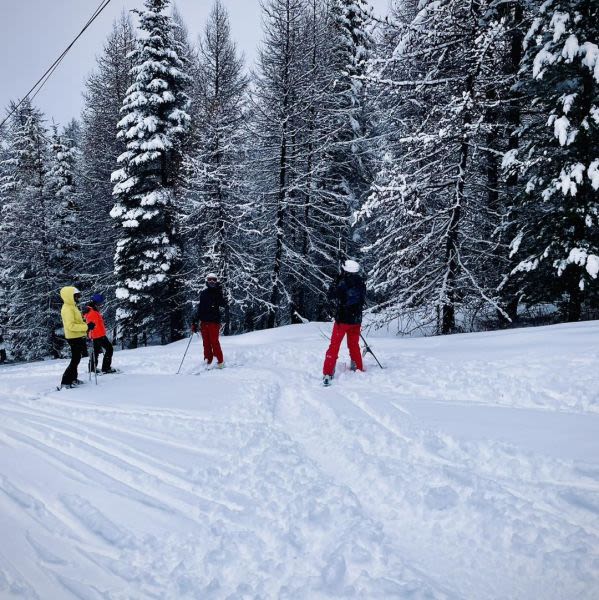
469,468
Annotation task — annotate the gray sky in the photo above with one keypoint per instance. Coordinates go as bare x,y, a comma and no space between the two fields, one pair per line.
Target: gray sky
34,32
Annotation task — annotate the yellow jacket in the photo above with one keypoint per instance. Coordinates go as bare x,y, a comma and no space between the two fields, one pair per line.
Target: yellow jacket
72,321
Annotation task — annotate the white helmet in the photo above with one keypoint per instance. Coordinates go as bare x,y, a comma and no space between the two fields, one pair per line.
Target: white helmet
211,276
351,266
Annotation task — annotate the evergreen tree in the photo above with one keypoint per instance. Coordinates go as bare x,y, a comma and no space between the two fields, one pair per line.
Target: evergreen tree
505,140
154,121
278,106
557,243
319,222
349,176
216,207
430,214
26,238
105,91
189,54
64,225
295,127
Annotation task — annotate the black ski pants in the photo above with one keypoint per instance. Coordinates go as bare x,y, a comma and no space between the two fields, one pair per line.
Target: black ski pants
78,350
103,344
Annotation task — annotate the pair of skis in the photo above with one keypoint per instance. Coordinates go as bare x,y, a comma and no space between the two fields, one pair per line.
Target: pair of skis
114,372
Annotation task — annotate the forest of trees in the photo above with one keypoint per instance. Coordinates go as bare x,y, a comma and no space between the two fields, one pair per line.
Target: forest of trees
451,147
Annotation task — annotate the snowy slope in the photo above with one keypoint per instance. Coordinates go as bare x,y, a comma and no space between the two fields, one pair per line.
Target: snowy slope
469,468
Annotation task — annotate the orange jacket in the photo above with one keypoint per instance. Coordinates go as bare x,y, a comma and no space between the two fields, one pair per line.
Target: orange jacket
93,316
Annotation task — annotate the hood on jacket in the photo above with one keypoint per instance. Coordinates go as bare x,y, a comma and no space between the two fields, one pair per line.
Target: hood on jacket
68,294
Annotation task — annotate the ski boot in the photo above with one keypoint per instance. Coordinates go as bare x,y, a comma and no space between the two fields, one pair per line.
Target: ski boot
65,386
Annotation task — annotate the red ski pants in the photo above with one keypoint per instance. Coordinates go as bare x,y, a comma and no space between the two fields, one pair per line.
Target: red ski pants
353,343
210,333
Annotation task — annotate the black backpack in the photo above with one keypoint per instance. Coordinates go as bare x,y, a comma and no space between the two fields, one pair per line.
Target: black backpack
354,293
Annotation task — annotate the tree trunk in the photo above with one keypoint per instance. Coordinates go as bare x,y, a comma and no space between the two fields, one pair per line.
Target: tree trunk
453,231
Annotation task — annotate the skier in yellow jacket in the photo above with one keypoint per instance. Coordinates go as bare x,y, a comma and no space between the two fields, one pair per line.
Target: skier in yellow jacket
75,332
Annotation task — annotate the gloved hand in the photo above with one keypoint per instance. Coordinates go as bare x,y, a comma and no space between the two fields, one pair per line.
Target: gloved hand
90,326
194,328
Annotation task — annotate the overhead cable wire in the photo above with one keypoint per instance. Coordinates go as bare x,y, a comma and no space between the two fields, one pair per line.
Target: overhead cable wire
39,84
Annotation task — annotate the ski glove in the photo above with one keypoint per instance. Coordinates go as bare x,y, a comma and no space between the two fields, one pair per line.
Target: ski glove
90,326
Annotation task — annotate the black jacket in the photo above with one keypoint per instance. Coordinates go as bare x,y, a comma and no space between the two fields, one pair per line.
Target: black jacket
211,301
348,296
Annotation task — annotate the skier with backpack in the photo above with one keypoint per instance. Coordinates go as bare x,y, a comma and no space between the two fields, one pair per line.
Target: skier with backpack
348,295
75,331
207,318
101,343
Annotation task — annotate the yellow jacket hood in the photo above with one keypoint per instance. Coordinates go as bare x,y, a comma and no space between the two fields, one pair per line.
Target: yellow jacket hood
68,294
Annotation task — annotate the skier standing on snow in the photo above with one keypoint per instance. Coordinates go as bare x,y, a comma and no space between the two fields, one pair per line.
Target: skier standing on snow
98,334
75,331
348,293
208,318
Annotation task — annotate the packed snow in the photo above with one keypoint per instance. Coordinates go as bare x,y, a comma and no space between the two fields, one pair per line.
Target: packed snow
468,468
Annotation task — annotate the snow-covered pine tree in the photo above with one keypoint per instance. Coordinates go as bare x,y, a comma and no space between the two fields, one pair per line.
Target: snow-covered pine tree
217,214
318,220
277,109
189,54
293,129
505,114
557,244
428,211
349,176
26,240
64,225
154,121
105,91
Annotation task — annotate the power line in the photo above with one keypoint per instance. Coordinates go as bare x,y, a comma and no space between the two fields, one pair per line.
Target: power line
54,66
39,84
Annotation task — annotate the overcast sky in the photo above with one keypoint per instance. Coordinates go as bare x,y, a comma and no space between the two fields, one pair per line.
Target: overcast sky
33,33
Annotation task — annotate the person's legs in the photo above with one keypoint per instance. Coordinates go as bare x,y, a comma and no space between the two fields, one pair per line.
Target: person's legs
108,350
333,352
205,331
214,329
353,344
93,359
78,349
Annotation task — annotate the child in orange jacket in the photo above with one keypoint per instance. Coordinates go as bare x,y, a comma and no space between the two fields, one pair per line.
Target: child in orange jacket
98,335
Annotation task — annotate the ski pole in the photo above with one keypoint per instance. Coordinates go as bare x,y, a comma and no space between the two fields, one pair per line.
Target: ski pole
302,319
305,321
90,365
185,354
94,362
367,348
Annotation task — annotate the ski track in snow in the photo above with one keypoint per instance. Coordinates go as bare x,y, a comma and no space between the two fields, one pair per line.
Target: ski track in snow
468,468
